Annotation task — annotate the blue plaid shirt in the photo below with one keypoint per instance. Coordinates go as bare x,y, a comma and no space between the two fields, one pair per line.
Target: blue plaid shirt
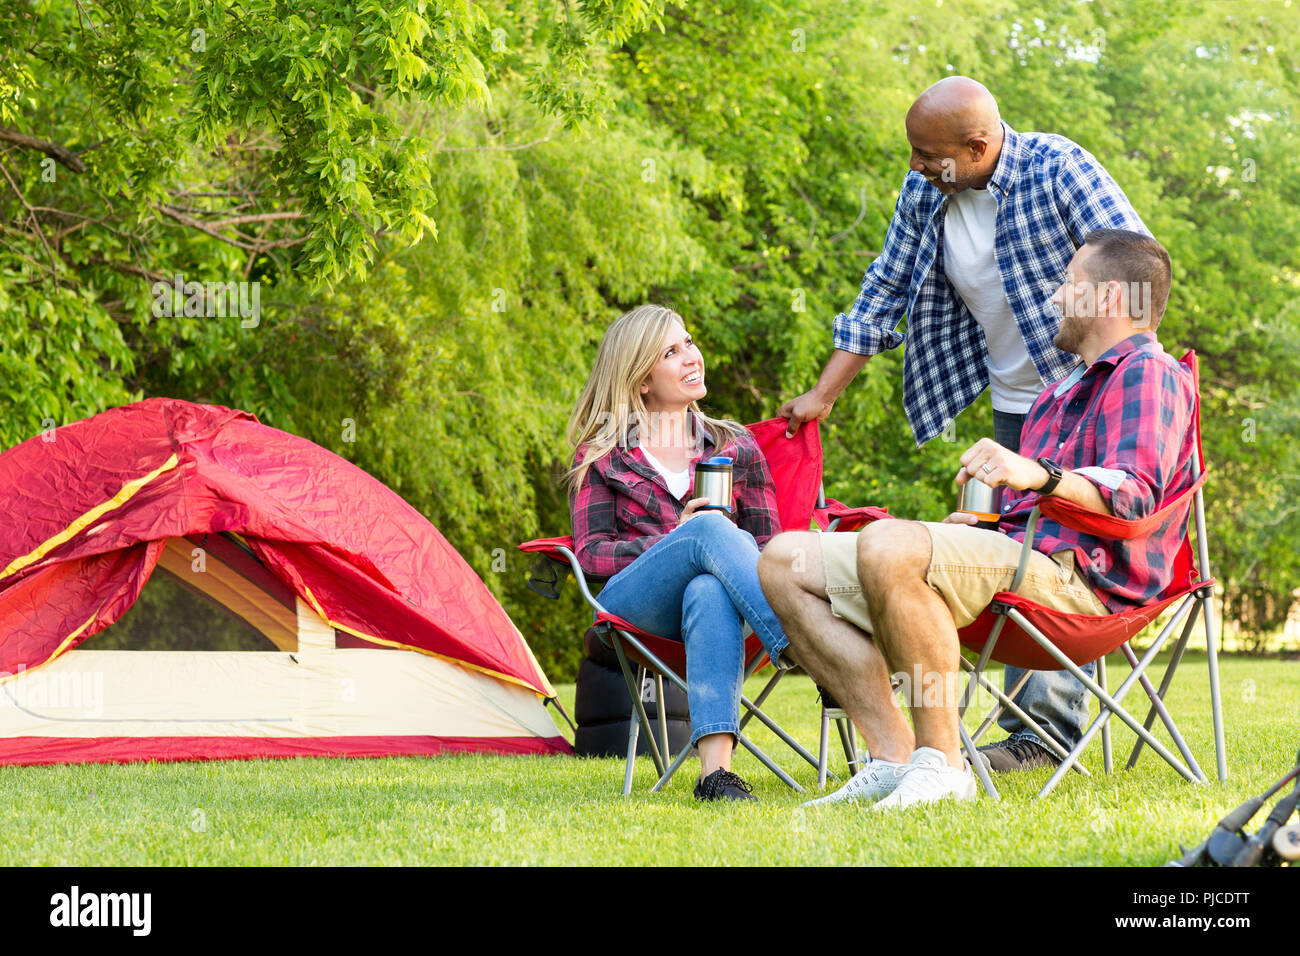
1051,193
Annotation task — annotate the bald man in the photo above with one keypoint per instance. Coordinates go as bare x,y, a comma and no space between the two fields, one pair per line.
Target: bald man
986,222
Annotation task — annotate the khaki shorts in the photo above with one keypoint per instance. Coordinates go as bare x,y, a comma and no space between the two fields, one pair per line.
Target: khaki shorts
968,566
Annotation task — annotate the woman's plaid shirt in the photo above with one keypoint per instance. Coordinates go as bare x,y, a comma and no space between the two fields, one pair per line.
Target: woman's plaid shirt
624,506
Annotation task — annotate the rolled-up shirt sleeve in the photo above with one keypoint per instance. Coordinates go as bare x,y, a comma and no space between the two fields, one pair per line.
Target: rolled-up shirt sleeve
1141,437
871,325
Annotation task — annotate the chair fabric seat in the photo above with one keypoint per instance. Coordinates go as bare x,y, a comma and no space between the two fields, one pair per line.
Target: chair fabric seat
1081,637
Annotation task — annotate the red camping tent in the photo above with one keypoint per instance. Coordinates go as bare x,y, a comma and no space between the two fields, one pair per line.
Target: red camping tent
89,507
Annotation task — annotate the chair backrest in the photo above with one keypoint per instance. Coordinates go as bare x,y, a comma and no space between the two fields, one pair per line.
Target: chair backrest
1185,571
1198,506
796,466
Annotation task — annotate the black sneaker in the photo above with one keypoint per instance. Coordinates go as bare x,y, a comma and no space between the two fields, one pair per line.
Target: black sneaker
1008,755
723,785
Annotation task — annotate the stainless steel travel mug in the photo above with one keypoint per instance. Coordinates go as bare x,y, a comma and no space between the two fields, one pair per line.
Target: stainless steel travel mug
713,481
978,499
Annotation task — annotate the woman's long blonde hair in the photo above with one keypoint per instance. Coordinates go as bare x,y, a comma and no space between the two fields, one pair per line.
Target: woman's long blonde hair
611,401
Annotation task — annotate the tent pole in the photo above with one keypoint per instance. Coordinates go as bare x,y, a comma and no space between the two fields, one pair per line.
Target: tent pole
560,707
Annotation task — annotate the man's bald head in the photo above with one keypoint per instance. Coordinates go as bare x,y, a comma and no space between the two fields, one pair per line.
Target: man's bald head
958,105
956,134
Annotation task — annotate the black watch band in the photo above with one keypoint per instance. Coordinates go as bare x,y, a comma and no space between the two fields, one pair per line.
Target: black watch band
1053,476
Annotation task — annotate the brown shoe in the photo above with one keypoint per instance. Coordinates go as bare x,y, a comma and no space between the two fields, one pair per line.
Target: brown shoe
1009,755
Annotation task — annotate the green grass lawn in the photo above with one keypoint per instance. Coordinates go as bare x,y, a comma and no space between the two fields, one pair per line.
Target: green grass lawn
568,811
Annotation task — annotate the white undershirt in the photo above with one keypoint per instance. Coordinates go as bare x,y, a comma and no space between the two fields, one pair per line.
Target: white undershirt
678,481
971,265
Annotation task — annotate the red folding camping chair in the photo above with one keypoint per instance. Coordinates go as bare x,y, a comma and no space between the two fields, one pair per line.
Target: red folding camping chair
796,466
1013,630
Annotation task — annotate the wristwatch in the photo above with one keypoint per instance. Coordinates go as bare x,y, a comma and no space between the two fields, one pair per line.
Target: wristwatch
1053,476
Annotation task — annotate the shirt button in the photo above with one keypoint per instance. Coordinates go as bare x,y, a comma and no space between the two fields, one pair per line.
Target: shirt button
1060,444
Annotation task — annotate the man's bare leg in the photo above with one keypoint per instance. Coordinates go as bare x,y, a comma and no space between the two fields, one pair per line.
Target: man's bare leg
838,655
913,626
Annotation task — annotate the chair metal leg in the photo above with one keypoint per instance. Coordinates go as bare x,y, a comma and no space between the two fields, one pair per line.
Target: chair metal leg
1211,633
855,761
660,705
976,763
991,718
981,662
762,696
633,731
1170,669
672,769
660,668
766,761
634,690
1216,700
1109,704
1007,703
1159,706
773,726
844,726
1106,759
821,750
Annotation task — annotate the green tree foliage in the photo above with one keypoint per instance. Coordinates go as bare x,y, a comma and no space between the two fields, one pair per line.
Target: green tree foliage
560,163
263,140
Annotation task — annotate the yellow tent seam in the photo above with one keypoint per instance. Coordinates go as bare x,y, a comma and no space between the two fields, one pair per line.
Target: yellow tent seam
420,650
124,494
63,646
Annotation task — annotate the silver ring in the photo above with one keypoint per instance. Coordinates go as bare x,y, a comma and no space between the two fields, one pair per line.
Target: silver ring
985,467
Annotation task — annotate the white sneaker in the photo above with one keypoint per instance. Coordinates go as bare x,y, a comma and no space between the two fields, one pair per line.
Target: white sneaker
929,779
876,779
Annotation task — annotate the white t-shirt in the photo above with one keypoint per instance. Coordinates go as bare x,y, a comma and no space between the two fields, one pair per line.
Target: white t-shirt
678,481
971,265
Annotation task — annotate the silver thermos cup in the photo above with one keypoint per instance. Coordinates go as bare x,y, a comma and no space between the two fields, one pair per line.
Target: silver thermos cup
978,499
713,481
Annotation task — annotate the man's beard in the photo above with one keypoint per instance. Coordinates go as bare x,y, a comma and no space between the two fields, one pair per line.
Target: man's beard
1069,335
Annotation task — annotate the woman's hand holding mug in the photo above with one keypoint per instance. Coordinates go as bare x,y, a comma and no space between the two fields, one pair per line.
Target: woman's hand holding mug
692,509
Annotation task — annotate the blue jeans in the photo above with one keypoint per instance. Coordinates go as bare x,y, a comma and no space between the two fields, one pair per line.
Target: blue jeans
696,583
1054,699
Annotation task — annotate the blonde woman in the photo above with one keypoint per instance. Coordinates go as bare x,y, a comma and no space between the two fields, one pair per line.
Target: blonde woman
676,568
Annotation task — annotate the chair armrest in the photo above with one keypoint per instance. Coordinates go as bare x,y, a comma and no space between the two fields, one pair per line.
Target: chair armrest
545,578
1108,526
551,565
549,547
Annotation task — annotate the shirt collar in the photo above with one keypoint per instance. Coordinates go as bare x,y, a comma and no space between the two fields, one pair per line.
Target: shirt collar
1145,341
1004,176
1069,381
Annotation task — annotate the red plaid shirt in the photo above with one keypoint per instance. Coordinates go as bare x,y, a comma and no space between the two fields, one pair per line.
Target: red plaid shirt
1126,424
624,506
